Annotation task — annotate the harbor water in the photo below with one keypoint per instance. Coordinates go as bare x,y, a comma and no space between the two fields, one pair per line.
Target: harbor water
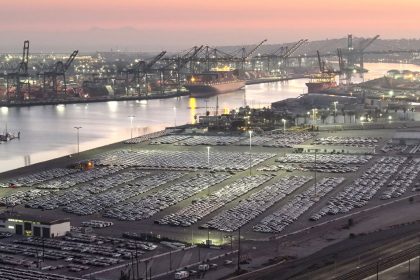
48,131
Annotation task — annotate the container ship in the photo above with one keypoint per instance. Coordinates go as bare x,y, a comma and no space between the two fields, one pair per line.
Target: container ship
321,82
213,83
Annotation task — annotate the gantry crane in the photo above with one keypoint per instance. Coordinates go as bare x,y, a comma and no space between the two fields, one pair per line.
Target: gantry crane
176,64
140,72
19,77
280,56
49,78
247,55
355,55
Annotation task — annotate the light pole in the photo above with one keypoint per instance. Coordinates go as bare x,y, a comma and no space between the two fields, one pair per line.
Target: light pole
284,125
316,150
78,145
175,115
335,110
250,156
131,126
208,166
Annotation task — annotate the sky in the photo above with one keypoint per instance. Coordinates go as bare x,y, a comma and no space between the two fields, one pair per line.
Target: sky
176,24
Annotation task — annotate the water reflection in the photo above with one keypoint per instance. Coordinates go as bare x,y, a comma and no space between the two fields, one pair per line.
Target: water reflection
47,131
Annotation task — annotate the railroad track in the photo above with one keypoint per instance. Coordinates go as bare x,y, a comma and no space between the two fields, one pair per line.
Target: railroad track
381,264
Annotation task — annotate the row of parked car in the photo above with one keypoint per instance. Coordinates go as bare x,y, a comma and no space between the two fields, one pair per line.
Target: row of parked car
145,207
169,139
50,187
127,243
288,139
298,205
362,189
30,180
257,140
96,203
148,137
360,141
403,180
14,273
209,140
74,255
21,197
236,217
324,158
400,148
71,180
204,206
323,167
70,196
182,160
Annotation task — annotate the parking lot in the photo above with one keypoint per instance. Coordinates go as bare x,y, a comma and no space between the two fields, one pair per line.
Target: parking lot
185,192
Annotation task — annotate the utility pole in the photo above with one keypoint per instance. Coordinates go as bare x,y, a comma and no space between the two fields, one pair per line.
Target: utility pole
250,155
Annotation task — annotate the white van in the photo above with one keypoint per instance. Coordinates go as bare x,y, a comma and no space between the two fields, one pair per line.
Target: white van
182,274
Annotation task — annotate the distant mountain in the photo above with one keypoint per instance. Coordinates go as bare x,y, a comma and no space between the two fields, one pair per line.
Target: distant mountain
150,40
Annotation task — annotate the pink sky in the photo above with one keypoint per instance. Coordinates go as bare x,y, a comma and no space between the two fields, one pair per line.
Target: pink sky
219,21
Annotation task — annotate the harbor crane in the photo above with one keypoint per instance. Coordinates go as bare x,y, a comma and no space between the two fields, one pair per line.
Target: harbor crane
19,78
176,64
140,71
355,55
245,56
49,78
281,55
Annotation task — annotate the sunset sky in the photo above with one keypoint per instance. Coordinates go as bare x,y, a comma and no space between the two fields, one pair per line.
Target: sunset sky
163,24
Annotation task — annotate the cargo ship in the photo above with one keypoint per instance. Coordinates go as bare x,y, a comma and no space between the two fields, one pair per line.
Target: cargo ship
321,82
213,83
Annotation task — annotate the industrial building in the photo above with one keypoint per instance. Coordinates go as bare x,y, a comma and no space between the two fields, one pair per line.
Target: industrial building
33,226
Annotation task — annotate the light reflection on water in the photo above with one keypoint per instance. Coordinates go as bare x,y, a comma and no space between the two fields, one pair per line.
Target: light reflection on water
48,131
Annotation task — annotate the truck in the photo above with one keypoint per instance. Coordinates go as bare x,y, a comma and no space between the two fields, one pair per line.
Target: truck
181,274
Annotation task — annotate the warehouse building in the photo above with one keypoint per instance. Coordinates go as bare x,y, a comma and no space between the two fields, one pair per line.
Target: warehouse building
26,225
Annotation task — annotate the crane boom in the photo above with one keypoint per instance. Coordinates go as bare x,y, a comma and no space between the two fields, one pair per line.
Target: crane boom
23,65
155,59
365,44
70,60
294,48
249,54
321,65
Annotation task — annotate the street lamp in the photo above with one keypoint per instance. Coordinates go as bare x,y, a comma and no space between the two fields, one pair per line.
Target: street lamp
208,166
78,145
335,110
250,157
131,126
175,115
284,125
